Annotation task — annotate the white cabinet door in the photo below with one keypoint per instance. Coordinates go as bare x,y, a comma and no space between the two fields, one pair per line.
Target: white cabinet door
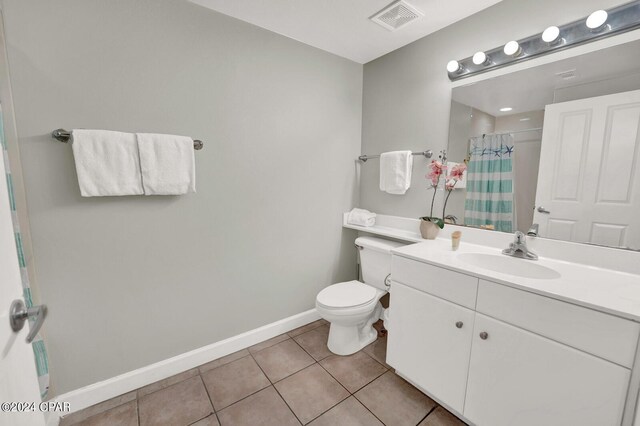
430,343
520,378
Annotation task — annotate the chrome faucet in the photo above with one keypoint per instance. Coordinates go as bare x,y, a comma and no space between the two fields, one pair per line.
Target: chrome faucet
518,248
533,230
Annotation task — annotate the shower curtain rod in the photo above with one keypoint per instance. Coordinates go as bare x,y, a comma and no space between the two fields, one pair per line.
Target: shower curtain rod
63,135
514,131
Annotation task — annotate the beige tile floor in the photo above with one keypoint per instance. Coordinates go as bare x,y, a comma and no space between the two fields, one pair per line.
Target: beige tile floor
291,379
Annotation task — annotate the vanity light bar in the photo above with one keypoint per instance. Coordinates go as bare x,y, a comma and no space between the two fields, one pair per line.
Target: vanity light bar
599,24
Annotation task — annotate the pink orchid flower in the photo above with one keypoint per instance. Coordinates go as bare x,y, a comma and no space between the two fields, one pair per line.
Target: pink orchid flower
457,172
436,169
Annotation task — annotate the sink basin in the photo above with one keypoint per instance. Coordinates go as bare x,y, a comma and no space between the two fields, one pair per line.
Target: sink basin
509,265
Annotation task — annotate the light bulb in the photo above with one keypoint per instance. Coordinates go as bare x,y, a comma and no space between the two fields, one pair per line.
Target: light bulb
551,34
512,48
506,109
480,58
453,66
597,19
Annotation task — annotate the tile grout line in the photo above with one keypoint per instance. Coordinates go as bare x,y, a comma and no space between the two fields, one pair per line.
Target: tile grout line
349,392
166,387
367,408
198,373
241,399
428,414
215,412
337,381
318,326
337,403
274,388
213,407
361,387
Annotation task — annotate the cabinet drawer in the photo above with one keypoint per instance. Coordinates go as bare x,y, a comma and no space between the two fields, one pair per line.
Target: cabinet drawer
452,286
597,333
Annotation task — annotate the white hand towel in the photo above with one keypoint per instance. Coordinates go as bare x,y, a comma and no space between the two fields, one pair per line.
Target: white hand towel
395,171
361,217
106,162
167,163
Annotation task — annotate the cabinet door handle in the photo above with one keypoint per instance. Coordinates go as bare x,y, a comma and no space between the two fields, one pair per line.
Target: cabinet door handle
484,335
459,324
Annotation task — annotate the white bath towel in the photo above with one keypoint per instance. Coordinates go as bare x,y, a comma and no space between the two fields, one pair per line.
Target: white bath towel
167,163
106,162
395,171
361,217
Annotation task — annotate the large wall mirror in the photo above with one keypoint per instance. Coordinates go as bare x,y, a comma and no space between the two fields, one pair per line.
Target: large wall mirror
553,150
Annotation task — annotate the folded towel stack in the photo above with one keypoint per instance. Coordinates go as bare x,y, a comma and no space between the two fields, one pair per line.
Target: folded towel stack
395,171
361,217
115,163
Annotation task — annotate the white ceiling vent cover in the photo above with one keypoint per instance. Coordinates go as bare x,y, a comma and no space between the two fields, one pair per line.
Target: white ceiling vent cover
396,15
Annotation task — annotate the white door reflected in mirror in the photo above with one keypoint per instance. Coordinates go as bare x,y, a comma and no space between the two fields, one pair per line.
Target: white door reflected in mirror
588,176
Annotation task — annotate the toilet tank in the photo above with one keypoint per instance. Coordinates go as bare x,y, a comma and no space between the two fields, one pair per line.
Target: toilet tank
375,259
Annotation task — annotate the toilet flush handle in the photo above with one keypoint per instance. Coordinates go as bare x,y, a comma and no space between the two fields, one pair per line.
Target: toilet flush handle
387,281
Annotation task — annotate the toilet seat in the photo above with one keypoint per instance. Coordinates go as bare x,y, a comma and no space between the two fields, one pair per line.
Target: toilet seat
349,294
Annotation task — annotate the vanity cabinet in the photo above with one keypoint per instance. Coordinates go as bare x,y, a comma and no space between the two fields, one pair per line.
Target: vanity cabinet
498,355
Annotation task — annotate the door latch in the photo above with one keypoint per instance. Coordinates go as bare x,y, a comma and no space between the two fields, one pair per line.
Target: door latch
19,314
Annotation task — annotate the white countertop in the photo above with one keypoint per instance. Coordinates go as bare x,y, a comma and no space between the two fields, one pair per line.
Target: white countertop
605,290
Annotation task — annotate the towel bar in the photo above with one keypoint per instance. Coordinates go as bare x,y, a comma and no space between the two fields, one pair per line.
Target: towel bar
63,135
364,158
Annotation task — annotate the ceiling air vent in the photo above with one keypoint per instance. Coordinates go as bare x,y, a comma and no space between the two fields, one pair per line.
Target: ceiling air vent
567,75
396,15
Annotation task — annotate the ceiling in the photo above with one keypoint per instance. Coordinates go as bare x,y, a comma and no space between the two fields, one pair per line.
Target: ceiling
343,27
611,70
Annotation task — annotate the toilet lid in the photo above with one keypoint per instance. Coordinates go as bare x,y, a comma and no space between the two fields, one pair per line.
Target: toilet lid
346,295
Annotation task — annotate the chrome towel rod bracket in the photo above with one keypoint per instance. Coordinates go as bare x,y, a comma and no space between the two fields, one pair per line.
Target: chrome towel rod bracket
63,135
427,154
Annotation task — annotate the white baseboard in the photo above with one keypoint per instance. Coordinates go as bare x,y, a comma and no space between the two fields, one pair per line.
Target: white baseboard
132,380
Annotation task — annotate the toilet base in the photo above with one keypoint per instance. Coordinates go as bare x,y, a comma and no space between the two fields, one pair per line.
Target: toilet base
349,339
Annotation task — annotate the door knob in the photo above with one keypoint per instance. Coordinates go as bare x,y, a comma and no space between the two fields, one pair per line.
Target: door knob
459,324
484,335
19,314
543,210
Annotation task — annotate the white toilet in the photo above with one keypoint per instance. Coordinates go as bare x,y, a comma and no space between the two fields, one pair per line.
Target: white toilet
352,307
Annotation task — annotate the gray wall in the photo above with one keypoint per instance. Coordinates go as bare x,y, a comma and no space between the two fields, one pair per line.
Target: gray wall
407,94
465,122
130,281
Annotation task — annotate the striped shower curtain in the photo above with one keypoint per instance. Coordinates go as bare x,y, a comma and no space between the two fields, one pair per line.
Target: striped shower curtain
489,200
39,350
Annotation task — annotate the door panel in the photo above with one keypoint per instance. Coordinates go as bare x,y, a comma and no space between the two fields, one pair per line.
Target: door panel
520,378
588,177
574,129
426,345
619,154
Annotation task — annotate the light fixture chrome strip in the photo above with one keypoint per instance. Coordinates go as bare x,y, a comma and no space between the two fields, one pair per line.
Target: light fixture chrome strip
599,24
